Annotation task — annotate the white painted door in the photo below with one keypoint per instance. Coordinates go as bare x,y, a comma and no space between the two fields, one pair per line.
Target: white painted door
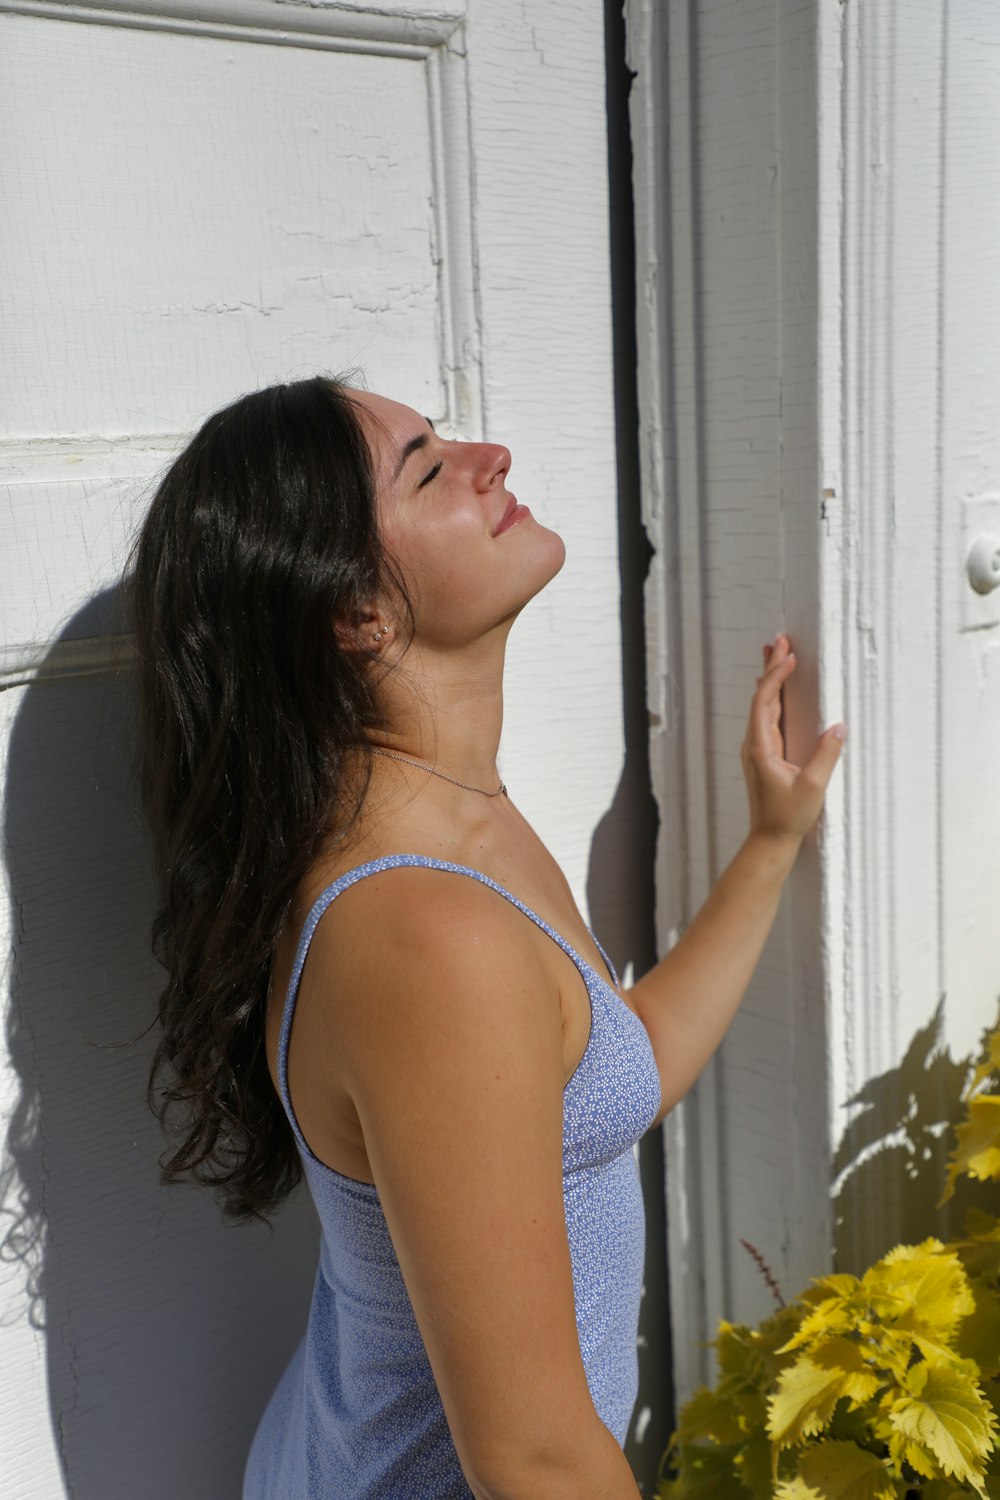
200,196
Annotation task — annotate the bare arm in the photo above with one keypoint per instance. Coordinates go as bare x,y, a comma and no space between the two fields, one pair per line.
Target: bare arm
687,1001
455,1066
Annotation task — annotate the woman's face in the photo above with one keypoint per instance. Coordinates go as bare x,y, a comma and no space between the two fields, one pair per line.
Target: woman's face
471,556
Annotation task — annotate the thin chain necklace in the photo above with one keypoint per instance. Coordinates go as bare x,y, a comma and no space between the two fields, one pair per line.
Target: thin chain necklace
501,790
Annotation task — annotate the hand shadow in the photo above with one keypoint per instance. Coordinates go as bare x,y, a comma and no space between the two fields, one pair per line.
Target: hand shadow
164,1329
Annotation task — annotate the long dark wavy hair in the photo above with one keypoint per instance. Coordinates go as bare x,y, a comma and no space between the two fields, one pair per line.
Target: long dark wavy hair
252,708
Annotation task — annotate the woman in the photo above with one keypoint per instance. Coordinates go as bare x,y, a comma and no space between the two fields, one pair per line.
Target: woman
322,593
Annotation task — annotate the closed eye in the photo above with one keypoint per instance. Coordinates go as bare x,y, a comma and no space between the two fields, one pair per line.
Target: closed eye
428,477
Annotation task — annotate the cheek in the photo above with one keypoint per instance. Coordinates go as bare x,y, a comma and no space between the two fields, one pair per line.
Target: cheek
449,579
441,567
460,582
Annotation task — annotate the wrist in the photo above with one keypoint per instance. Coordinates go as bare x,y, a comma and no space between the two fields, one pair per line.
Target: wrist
773,851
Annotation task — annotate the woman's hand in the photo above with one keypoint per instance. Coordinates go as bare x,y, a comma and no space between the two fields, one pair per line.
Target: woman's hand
688,999
785,799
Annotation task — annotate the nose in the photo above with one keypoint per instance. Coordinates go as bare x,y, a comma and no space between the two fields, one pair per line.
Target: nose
488,462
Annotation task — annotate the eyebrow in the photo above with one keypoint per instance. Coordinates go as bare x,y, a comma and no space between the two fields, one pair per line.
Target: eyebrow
410,447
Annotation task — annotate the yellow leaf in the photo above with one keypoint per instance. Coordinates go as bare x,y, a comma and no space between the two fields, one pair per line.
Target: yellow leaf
902,1450
858,1381
930,1284
743,1374
833,1315
796,1489
740,1363
708,1415
902,1254
979,1336
753,1465
947,1415
843,1471
977,1148
936,1353
855,1307
840,1284
854,1424
895,1351
773,1333
915,1296
803,1403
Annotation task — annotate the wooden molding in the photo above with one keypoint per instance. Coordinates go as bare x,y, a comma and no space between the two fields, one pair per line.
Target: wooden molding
395,29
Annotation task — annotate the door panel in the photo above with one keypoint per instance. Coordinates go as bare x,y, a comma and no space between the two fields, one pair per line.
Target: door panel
197,203
256,208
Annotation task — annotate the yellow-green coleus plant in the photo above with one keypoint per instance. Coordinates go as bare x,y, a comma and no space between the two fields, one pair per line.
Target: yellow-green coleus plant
884,1386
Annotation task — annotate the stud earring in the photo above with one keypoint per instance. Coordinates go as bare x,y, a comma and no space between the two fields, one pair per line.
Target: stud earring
382,630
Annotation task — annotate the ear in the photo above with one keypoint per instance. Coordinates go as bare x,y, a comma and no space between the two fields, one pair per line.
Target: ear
364,631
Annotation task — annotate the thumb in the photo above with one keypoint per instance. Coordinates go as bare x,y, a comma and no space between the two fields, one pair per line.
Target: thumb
820,766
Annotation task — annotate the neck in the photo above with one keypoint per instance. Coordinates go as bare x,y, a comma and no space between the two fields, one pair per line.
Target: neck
447,711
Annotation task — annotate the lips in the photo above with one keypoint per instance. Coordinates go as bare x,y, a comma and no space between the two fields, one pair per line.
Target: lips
513,512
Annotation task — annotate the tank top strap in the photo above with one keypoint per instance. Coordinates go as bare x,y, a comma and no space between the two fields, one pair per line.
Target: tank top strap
597,944
343,883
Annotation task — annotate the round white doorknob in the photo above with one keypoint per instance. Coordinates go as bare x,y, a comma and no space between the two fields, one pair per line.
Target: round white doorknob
983,563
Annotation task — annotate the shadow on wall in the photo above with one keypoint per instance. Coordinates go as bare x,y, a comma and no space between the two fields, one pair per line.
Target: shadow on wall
164,1329
891,1164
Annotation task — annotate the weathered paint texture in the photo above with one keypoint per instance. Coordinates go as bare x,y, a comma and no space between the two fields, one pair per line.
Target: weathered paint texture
197,204
819,320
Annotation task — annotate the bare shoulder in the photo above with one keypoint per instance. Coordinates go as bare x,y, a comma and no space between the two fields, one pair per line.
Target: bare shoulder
407,902
445,1011
409,938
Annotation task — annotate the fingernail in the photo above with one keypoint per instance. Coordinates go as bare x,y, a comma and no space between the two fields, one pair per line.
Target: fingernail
840,731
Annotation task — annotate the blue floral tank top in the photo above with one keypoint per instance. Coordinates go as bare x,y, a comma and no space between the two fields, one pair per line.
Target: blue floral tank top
357,1414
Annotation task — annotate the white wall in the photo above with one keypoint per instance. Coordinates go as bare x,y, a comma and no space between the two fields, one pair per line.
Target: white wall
201,202
819,327
912,451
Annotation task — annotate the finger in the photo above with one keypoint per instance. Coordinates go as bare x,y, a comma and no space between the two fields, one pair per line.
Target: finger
763,729
774,678
820,765
776,663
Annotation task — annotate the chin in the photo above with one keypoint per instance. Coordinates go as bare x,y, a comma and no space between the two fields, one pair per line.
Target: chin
547,562
555,548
